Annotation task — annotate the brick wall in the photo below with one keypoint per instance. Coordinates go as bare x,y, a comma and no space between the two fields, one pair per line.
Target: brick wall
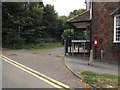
103,26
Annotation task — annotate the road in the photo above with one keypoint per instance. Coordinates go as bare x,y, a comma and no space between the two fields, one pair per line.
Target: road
48,62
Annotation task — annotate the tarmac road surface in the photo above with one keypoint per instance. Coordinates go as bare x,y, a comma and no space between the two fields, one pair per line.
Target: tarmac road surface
48,62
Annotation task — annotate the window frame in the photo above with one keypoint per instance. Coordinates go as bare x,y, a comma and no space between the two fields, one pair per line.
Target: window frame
115,26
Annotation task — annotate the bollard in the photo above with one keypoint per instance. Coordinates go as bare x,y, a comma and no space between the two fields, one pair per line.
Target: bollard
91,57
101,53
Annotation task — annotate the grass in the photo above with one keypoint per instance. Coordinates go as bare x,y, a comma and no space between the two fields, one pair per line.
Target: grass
101,80
37,46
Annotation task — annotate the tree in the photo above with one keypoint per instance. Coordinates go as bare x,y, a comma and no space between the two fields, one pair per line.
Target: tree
76,12
50,20
31,23
22,23
11,14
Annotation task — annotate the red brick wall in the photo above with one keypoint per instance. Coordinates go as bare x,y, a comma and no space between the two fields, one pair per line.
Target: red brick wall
103,26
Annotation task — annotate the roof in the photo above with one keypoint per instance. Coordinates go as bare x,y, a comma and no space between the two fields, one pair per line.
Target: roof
84,17
115,10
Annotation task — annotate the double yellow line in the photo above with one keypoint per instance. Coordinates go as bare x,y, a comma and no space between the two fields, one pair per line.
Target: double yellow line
36,74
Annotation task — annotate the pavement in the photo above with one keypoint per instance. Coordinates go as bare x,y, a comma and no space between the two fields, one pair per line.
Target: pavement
79,64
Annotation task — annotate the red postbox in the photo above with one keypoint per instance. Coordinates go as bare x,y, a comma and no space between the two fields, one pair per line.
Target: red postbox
95,40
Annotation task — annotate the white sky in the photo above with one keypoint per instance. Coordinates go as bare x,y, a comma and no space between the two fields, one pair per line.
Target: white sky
63,7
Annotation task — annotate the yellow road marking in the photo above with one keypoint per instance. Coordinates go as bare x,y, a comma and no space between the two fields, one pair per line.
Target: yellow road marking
33,74
57,82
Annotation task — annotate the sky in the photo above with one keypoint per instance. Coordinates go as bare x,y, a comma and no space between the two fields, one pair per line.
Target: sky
63,7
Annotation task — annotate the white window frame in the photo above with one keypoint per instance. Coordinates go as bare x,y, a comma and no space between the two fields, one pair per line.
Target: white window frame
115,26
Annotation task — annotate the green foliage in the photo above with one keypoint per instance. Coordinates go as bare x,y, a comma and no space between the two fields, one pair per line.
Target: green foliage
54,25
80,33
37,46
63,20
101,80
105,75
72,32
28,23
89,73
22,23
32,23
67,32
76,12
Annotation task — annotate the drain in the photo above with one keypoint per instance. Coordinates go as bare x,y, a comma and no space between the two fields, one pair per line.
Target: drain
13,55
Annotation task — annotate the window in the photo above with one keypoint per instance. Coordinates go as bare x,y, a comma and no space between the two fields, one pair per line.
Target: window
117,28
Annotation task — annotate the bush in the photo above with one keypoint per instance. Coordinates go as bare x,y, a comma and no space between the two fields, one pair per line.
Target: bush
67,32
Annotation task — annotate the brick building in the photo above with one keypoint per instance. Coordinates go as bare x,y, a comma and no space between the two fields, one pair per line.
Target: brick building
104,22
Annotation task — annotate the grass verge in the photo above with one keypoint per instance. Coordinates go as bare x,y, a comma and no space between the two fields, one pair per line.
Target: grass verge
101,80
37,46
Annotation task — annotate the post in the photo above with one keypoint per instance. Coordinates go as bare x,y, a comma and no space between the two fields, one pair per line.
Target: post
101,53
95,52
95,39
91,57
